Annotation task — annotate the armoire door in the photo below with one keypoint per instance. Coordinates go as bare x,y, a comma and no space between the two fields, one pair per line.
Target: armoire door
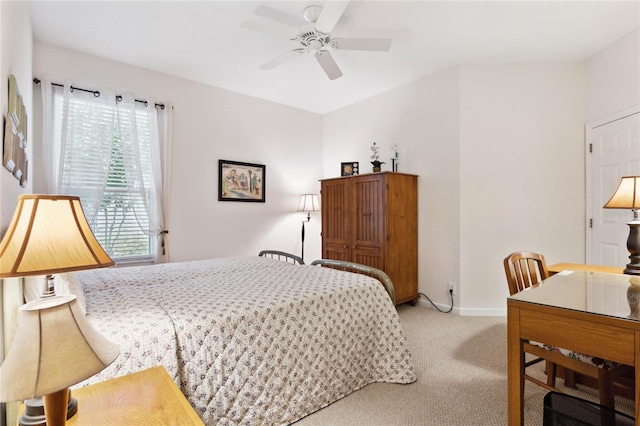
367,230
335,219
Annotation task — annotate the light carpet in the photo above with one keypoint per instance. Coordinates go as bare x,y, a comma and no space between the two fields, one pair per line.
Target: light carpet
461,363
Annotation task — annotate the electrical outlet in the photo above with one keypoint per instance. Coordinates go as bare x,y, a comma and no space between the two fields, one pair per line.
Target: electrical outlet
451,288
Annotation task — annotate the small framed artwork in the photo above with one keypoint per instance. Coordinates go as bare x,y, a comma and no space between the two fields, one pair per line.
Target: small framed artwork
9,145
13,108
14,143
23,176
241,181
350,168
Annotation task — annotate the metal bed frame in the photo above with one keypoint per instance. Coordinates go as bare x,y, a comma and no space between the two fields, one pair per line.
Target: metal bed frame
337,264
360,269
280,255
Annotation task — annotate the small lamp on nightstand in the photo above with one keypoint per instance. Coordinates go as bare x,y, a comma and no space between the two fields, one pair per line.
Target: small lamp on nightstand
627,196
308,203
54,345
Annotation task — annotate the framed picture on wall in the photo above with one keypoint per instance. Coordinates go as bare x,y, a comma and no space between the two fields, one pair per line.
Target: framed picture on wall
241,181
9,145
14,143
13,108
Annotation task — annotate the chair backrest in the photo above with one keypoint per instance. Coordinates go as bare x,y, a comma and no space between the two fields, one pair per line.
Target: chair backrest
524,269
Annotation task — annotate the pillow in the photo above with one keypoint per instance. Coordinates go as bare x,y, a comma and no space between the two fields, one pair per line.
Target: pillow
68,283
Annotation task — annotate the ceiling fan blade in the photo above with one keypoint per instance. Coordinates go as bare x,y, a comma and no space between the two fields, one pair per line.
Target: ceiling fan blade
331,13
372,44
328,64
267,29
279,16
280,59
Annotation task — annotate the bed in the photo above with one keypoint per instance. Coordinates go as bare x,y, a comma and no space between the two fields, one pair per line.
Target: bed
249,340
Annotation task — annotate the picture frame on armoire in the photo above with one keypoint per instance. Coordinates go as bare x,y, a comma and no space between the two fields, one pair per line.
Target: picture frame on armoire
238,181
349,168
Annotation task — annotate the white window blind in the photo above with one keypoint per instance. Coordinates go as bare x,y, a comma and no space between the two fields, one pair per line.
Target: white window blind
106,161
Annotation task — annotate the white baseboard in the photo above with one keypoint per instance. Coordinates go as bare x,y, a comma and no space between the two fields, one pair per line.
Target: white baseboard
478,312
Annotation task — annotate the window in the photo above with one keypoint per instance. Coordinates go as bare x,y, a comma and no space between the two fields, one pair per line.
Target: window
106,160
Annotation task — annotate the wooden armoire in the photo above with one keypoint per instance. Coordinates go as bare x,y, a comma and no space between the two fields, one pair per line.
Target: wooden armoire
372,219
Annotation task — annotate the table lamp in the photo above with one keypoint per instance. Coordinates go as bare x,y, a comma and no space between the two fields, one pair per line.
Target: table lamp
627,196
54,346
308,203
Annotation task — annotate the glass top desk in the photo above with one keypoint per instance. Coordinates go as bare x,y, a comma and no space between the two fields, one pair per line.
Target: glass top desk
590,312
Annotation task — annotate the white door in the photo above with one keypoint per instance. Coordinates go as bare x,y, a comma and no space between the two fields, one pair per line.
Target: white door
614,146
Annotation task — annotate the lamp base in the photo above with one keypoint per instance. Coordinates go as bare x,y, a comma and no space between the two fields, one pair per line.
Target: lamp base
633,268
633,245
34,411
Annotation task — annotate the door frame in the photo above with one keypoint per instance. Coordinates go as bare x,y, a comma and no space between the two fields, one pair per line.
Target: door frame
589,127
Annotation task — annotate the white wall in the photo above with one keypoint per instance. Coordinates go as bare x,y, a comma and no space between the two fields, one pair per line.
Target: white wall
613,78
522,172
500,157
15,58
211,124
490,144
16,44
423,119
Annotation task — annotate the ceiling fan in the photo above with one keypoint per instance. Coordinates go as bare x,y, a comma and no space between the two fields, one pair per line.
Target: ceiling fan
315,37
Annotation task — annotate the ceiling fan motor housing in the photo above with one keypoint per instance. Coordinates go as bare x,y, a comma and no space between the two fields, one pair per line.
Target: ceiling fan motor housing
313,39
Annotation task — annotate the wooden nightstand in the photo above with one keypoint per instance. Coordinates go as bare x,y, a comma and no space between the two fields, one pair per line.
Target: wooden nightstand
147,397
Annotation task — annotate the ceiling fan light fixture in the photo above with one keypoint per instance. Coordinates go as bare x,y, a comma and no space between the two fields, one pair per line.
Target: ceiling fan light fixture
315,45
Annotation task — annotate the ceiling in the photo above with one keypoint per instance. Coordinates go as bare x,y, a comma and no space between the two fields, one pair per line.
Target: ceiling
204,41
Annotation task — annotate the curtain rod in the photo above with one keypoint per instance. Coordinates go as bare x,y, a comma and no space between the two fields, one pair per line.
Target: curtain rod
96,93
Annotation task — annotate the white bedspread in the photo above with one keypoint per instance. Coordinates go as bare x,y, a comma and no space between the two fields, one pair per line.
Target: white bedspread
250,340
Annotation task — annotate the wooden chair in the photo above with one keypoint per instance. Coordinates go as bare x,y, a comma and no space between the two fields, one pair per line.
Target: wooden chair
524,269
280,255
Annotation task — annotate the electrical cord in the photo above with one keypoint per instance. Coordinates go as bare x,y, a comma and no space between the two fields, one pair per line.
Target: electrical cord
434,305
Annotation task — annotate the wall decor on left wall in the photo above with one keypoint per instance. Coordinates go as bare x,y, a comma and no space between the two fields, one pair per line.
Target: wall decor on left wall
241,181
15,135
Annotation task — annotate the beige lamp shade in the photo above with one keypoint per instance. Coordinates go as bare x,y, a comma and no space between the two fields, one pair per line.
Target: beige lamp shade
54,347
309,203
49,234
627,196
